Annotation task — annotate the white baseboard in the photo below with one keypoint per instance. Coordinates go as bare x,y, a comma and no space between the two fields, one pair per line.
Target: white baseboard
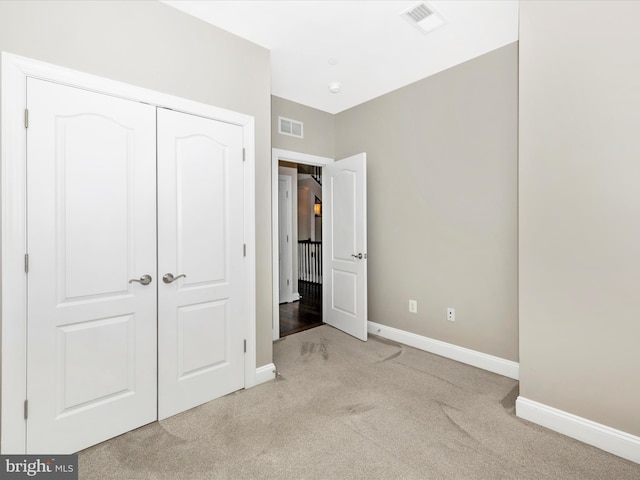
265,373
605,438
493,364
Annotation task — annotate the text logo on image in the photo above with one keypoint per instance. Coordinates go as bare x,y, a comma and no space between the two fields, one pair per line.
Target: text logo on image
50,467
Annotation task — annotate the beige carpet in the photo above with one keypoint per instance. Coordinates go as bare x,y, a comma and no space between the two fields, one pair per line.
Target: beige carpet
345,409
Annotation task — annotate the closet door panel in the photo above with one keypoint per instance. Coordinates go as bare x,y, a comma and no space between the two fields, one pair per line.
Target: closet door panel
200,244
92,335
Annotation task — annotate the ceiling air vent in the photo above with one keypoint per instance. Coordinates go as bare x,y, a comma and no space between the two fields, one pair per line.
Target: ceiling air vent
423,17
286,126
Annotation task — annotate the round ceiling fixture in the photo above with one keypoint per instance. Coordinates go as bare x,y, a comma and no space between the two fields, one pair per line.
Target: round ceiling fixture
334,87
333,61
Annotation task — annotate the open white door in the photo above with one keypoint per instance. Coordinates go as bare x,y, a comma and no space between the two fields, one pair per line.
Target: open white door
344,239
201,315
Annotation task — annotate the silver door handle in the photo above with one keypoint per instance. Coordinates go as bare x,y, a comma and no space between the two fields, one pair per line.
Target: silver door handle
168,277
144,280
358,256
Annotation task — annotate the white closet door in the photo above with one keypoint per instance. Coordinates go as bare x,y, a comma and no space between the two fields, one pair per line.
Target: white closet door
201,323
91,369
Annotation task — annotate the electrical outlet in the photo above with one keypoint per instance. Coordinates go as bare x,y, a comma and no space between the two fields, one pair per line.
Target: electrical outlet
413,306
451,314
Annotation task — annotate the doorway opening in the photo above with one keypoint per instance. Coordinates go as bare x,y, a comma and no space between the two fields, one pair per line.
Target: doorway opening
297,241
300,246
344,238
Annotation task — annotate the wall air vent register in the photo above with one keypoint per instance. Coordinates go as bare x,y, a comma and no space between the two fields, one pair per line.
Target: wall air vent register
293,128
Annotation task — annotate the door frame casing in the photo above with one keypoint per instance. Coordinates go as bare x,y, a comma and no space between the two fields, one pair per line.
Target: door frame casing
277,155
15,70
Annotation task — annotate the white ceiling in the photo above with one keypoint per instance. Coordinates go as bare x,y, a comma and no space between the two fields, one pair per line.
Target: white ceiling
377,51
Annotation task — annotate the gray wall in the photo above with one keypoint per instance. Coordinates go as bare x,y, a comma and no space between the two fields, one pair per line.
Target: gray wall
319,132
152,45
442,202
579,209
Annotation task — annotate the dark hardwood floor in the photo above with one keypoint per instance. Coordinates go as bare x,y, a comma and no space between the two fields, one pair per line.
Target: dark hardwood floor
303,314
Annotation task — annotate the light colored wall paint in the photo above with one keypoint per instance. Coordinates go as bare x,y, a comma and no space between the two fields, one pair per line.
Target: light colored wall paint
304,217
442,207
579,197
152,45
319,131
313,190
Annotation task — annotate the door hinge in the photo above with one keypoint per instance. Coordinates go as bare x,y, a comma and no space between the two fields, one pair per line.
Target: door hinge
287,192
26,118
26,409
244,155
245,346
287,282
26,263
244,250
287,238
